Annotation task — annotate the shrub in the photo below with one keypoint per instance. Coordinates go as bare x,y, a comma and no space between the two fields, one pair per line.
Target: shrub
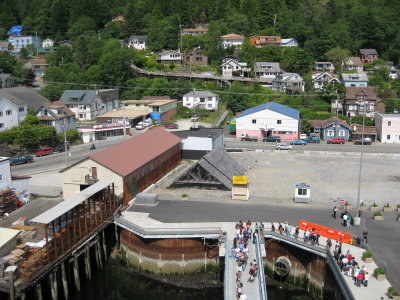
398,216
378,213
398,206
363,204
375,205
379,271
387,205
185,196
367,254
347,203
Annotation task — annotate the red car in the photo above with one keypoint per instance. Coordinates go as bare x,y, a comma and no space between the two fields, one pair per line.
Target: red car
336,140
171,125
45,151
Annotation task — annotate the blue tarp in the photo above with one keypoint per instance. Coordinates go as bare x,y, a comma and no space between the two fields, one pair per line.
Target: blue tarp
15,30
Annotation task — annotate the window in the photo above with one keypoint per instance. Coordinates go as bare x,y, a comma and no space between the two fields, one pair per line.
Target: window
9,112
20,109
46,122
254,121
59,111
156,108
389,123
341,133
330,133
209,105
388,137
1,113
278,121
1,177
302,192
202,100
1,125
81,116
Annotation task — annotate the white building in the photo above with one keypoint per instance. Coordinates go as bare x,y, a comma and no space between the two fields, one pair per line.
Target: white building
270,119
232,40
47,43
232,68
20,42
137,42
170,56
201,99
267,71
289,42
324,66
388,128
12,113
56,114
320,78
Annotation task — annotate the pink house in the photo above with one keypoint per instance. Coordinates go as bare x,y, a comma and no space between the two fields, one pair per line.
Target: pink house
270,119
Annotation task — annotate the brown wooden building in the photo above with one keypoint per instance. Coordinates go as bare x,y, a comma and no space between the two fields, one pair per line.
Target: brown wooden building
132,165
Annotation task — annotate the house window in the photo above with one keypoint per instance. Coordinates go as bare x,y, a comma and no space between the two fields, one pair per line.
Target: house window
341,133
278,121
1,125
20,109
156,108
202,100
1,177
46,122
59,111
254,121
388,137
81,116
1,113
209,105
9,112
389,123
330,133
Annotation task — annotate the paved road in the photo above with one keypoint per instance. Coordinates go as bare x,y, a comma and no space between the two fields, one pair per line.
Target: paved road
383,236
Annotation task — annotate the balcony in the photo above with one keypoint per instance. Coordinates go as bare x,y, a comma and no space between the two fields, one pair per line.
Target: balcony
90,179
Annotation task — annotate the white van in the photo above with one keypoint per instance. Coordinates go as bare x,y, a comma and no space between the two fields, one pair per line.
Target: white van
303,136
141,125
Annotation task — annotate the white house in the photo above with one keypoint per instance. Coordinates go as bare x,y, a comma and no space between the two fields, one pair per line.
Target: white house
324,66
270,119
388,127
289,42
232,68
285,81
232,40
201,99
12,113
47,43
20,42
137,42
353,63
320,78
170,56
56,114
89,104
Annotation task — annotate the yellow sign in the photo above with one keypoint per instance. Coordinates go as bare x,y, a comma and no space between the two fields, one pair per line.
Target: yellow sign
239,179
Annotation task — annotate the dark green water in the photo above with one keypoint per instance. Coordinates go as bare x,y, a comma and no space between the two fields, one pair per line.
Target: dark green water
118,282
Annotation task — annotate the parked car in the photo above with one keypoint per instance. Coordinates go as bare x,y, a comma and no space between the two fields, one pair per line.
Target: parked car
298,142
148,122
246,137
20,160
365,141
141,125
60,148
283,147
336,140
194,118
171,126
45,151
314,140
272,139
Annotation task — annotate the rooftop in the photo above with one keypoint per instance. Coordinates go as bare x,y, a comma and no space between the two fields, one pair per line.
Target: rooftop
199,132
273,106
127,113
7,234
232,36
137,151
200,94
23,96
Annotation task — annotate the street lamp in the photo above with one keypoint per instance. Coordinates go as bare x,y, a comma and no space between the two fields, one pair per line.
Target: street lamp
357,218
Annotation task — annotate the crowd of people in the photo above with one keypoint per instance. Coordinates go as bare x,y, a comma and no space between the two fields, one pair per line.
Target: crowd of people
349,266
240,253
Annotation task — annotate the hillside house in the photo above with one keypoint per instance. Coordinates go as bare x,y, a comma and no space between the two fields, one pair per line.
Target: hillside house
290,42
288,81
233,68
353,63
196,56
368,56
358,79
388,127
194,31
324,66
170,56
322,78
360,100
137,42
56,114
201,99
232,40
261,41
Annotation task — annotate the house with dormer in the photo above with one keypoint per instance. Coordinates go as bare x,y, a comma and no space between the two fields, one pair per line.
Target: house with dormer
361,100
288,81
368,56
170,56
89,104
320,79
56,114
267,71
353,64
358,79
290,42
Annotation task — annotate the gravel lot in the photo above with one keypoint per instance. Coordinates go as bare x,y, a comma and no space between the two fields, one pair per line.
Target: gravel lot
272,178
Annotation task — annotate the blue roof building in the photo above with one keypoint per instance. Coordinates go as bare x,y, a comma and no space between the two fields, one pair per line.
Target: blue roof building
270,119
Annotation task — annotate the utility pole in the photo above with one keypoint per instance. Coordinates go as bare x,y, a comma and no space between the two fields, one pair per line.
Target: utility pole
37,45
65,142
337,114
124,120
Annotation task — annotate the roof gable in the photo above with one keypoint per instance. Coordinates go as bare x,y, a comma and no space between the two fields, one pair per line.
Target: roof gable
273,106
23,96
78,97
137,151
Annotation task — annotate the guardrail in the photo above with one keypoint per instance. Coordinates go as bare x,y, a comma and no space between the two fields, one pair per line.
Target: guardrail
261,276
227,269
339,277
212,232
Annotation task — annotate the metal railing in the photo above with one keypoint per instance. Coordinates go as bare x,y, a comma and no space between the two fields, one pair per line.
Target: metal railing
227,274
339,277
261,276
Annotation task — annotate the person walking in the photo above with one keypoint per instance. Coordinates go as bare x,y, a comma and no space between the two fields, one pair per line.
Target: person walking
345,220
296,233
334,211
